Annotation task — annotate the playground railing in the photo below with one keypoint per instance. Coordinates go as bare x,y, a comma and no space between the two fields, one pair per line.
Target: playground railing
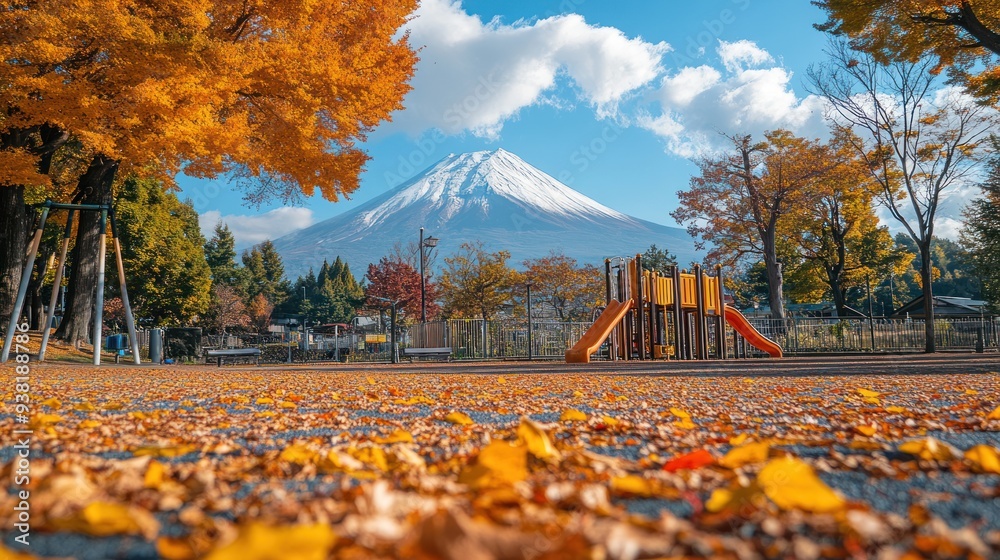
797,335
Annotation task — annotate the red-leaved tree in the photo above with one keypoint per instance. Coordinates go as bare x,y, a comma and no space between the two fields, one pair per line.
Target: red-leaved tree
400,282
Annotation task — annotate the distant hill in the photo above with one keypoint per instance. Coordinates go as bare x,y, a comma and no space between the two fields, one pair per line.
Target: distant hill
491,196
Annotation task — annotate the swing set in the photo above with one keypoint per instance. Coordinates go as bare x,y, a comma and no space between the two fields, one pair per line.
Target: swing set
107,212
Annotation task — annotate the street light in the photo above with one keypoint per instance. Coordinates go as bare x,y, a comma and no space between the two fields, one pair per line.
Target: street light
429,242
527,287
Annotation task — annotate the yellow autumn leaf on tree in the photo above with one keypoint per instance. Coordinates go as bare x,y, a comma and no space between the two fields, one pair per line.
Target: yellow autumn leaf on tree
572,415
257,541
538,442
460,418
632,484
984,458
792,484
929,449
500,462
746,454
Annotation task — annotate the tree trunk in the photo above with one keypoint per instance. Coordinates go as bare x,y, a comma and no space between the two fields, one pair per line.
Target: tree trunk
14,229
837,290
94,188
928,291
775,280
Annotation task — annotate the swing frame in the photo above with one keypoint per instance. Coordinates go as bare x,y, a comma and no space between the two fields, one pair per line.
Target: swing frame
107,211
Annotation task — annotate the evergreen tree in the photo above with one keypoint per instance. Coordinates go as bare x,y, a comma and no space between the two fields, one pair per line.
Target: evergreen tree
220,252
163,251
265,274
981,234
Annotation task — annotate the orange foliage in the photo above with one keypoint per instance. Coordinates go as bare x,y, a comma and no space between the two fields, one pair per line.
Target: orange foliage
277,92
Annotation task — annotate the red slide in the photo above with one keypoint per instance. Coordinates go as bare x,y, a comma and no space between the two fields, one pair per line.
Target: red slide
746,330
598,332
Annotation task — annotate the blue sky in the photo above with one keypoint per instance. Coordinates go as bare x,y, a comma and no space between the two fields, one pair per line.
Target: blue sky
612,98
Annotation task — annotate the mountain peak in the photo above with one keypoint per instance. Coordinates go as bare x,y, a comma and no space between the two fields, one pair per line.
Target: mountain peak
492,196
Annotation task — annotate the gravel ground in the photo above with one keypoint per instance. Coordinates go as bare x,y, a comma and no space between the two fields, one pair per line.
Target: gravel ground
411,460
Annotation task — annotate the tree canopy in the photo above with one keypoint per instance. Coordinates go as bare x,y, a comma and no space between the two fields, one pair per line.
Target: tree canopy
169,280
961,34
476,282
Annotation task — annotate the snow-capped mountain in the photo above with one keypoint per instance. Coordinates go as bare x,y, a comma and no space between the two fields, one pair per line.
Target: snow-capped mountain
491,196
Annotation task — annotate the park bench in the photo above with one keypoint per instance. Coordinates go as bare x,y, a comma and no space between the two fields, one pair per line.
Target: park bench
222,353
439,353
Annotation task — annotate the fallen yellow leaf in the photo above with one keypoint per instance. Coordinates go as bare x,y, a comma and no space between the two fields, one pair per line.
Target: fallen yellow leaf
572,415
398,436
52,403
868,393
736,499
738,440
792,484
501,380
929,449
297,454
632,484
257,541
995,415
9,554
164,451
155,473
174,548
866,430
103,519
746,454
679,413
895,409
84,406
500,462
265,400
286,404
971,392
460,418
88,424
984,458
537,440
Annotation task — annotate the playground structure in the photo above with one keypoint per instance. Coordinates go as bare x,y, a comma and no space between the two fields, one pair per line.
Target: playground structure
679,315
106,212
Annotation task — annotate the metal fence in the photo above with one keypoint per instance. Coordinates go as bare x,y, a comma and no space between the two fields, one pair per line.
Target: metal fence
878,334
475,339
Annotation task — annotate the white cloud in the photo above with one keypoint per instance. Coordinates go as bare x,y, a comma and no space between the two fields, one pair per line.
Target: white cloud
474,76
742,54
250,230
697,105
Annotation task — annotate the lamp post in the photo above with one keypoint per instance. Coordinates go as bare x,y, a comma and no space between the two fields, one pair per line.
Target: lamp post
429,242
528,288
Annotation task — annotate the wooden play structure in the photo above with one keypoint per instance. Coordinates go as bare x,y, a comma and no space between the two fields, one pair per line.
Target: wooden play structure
680,315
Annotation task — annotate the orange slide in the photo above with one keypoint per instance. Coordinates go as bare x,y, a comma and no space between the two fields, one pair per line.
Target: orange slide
746,330
598,332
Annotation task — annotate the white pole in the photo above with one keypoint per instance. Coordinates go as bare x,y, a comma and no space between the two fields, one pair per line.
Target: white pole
61,267
22,289
102,248
129,319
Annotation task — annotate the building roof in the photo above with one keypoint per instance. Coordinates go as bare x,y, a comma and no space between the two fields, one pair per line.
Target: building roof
943,306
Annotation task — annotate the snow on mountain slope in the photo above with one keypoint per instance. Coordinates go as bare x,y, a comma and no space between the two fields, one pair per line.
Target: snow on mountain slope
494,197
